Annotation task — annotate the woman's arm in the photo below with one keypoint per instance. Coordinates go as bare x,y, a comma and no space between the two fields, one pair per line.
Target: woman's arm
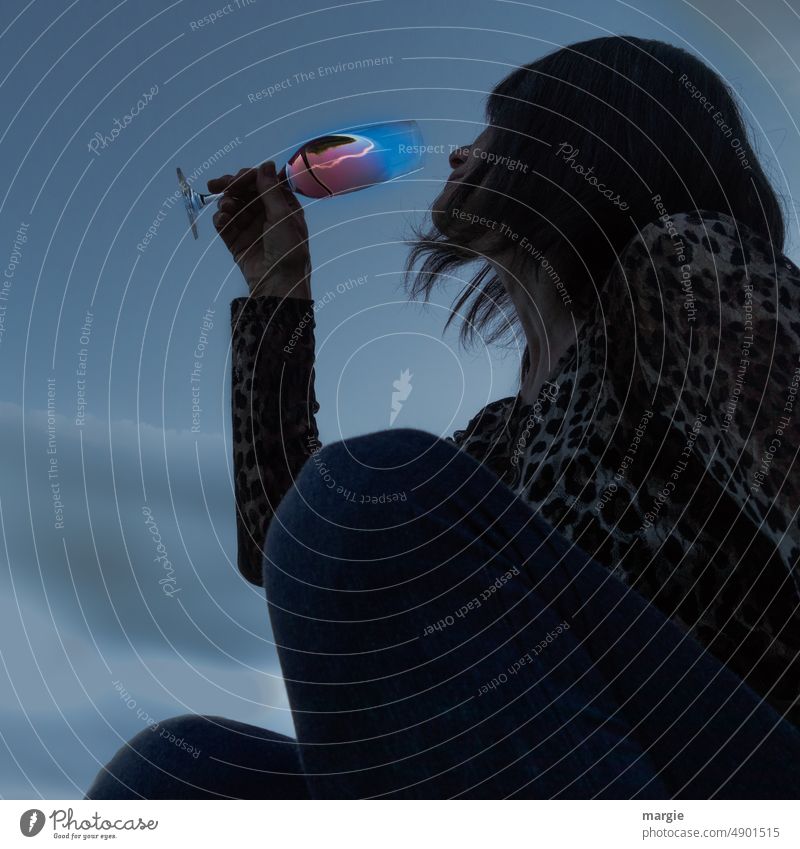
272,389
273,407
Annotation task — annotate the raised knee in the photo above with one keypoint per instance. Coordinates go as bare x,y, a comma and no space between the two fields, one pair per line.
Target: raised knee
177,730
353,502
372,464
154,763
400,445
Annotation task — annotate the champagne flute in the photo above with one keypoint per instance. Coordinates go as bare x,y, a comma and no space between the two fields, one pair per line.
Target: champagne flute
338,163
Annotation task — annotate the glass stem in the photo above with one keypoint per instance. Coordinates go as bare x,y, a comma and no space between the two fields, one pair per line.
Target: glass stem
205,200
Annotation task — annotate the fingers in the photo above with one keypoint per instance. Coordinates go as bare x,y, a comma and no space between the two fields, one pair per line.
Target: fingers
233,221
239,235
239,211
222,224
278,199
233,216
219,184
240,218
236,211
245,178
252,200
266,178
232,205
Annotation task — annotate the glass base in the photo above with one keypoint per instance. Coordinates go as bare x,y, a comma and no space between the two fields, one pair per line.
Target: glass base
192,201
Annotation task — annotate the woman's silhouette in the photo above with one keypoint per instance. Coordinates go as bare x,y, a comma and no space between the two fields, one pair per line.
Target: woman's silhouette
592,589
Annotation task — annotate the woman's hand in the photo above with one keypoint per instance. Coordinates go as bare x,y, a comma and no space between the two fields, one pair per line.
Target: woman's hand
263,226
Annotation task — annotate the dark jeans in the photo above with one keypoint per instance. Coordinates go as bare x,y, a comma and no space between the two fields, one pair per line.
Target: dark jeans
443,641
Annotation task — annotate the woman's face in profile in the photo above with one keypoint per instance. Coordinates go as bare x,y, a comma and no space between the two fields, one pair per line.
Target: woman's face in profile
461,162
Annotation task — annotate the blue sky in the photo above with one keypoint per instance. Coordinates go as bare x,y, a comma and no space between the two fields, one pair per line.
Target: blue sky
81,606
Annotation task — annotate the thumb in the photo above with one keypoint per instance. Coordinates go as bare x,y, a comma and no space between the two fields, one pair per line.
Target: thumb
266,178
276,196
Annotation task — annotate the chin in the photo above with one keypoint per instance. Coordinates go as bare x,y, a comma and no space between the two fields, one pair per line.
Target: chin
440,209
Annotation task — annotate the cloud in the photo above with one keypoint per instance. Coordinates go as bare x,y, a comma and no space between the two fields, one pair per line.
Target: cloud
101,571
82,606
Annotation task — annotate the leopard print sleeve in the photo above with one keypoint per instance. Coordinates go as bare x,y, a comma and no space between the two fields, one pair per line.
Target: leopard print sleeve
273,407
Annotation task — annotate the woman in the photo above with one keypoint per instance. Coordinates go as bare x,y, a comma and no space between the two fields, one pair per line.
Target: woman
592,589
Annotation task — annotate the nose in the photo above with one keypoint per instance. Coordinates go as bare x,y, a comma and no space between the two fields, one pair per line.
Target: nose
458,157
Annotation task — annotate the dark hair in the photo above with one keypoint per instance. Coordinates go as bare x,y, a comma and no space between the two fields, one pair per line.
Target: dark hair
648,118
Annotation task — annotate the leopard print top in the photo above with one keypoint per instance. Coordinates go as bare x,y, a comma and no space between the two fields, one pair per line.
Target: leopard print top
663,444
